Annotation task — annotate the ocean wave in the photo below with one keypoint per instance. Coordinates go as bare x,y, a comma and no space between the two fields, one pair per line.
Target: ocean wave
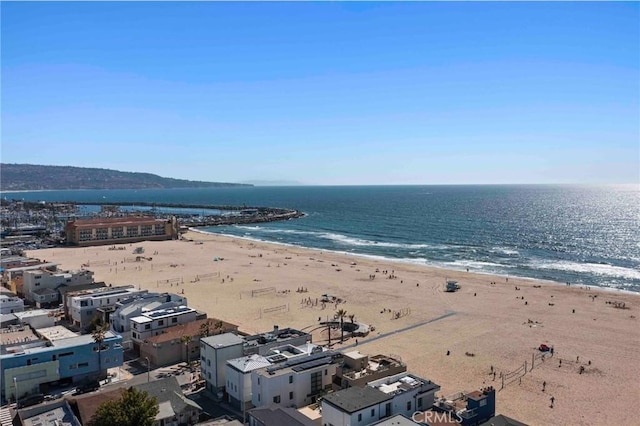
601,269
480,265
343,239
504,250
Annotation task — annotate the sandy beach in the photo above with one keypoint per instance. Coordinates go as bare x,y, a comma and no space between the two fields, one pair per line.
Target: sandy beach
490,322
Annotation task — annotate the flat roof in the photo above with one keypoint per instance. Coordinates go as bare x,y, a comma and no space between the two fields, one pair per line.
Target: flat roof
222,340
30,267
33,313
109,221
57,332
355,399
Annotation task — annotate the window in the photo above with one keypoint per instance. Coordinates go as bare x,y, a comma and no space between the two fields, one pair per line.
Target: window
483,402
147,326
66,354
408,405
258,397
420,402
83,364
276,399
373,412
316,382
326,371
161,322
359,417
291,379
290,395
174,320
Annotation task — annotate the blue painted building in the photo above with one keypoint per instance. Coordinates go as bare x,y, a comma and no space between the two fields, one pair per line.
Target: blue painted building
30,361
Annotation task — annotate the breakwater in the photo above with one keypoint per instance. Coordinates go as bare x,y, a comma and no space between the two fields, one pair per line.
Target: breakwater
241,214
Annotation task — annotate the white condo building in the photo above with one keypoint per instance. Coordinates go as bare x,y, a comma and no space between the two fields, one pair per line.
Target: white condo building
10,304
152,323
84,306
35,281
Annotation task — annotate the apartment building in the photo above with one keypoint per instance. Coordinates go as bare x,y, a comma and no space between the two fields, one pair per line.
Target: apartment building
83,305
238,371
13,277
153,323
168,348
29,361
402,394
10,304
359,369
125,310
36,281
296,382
118,230
215,351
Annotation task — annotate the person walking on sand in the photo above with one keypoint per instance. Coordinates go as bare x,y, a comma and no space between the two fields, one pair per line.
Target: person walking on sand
552,401
544,385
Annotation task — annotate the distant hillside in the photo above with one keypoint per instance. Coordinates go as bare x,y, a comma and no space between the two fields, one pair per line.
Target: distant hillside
16,177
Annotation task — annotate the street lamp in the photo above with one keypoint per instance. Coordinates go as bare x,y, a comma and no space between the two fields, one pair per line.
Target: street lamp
15,385
148,369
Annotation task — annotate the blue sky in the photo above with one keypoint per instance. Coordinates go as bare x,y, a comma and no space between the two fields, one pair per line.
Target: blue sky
326,93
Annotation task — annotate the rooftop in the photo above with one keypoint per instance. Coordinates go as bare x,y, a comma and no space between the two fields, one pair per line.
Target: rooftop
222,340
397,420
403,382
249,363
34,313
58,413
109,221
303,363
189,329
276,335
502,420
355,399
54,333
280,416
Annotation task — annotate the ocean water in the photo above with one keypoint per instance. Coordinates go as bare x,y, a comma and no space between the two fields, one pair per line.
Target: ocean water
585,235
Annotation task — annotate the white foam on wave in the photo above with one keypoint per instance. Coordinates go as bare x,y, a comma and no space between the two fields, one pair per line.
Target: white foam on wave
591,268
480,265
344,239
504,250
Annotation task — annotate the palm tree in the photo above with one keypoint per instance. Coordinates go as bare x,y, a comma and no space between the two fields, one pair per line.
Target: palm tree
351,317
186,339
340,315
99,335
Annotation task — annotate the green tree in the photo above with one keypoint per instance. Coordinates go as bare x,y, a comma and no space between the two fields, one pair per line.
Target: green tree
340,315
218,326
133,408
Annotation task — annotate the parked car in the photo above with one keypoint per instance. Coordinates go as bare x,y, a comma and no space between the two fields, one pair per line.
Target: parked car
30,400
87,387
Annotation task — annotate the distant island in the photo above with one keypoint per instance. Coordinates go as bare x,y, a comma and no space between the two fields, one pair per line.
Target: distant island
31,177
